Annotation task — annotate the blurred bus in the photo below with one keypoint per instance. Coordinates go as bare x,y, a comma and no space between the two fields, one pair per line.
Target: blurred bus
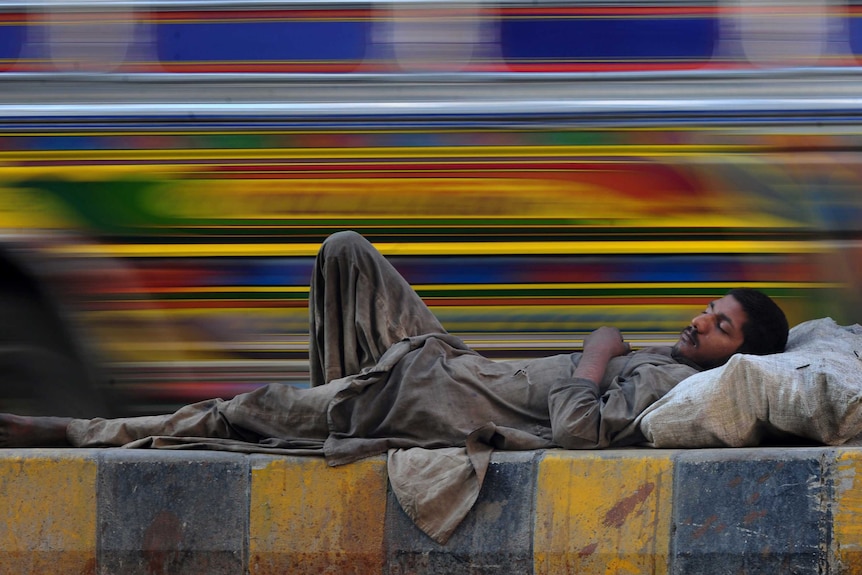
535,170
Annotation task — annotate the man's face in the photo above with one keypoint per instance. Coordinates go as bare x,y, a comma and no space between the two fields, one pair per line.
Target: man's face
714,335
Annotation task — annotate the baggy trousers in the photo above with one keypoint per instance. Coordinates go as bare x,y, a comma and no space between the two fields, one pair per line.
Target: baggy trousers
359,305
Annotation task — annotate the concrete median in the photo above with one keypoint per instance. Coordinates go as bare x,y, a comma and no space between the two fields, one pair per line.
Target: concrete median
117,511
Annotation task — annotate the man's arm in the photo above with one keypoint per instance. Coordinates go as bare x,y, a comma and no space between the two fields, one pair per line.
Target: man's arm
575,408
599,347
584,418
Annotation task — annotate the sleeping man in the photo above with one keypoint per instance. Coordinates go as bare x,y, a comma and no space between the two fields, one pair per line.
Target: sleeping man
386,374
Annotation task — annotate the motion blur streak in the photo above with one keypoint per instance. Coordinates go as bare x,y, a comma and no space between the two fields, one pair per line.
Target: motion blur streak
168,169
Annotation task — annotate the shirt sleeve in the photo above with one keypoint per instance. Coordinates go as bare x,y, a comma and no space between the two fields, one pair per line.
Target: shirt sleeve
584,418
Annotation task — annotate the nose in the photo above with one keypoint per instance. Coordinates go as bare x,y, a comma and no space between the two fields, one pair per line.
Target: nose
700,323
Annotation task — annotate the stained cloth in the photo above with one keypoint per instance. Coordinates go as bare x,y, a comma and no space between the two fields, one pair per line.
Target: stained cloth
388,378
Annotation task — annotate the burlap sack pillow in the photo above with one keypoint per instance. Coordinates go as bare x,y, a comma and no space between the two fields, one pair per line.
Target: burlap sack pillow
812,390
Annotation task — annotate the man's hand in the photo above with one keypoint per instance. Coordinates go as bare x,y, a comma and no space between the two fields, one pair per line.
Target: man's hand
607,340
599,347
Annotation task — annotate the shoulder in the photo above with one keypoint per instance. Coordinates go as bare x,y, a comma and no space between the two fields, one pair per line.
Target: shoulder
662,355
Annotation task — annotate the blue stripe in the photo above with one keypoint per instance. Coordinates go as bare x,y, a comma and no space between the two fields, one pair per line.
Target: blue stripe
11,42
608,39
263,42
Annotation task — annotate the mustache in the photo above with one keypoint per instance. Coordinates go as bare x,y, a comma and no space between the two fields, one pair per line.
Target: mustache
691,334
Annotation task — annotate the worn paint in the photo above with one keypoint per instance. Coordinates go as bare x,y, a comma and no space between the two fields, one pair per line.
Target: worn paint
603,513
749,511
307,517
47,512
165,512
847,511
495,537
761,510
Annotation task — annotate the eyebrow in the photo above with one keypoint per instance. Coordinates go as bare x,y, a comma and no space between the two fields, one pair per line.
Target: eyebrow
721,316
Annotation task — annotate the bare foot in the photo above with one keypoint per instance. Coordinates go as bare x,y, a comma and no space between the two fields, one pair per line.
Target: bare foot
21,431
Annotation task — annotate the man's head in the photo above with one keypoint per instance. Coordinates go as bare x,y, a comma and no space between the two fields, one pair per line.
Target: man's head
743,321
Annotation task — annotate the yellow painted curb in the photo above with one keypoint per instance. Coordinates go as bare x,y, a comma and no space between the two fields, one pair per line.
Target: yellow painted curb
603,513
847,511
307,517
47,513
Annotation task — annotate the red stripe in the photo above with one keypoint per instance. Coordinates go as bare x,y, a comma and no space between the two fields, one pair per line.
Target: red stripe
613,11
430,301
260,67
14,17
238,15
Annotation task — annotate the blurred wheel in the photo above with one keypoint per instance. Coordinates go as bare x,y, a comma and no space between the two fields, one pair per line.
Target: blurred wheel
42,368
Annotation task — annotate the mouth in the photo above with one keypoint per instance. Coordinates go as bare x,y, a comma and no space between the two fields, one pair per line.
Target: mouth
688,336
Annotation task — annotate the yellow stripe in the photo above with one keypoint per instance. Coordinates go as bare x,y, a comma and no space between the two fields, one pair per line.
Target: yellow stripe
622,285
456,249
528,286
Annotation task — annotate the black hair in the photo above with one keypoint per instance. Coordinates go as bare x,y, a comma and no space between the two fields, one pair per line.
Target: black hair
766,329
